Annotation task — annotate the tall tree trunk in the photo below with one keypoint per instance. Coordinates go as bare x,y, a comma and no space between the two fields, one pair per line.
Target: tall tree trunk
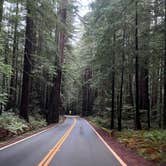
137,115
55,97
113,84
144,102
164,109
87,93
131,89
17,81
84,94
54,103
29,49
159,95
144,68
121,87
148,99
1,12
12,95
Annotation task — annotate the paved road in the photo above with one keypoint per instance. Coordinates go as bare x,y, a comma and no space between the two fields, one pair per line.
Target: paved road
81,147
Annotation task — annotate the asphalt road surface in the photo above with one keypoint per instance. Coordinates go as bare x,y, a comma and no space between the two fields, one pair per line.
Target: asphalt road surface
72,143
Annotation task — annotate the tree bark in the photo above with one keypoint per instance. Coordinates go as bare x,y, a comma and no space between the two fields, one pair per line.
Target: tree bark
113,85
87,97
164,109
1,12
54,103
29,49
121,87
55,97
137,115
13,91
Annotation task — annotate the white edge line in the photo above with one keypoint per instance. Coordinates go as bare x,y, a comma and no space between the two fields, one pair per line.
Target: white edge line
7,146
110,149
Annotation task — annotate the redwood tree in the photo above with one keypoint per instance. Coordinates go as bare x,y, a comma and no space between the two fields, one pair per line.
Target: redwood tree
29,49
13,82
55,96
164,110
113,84
1,11
137,115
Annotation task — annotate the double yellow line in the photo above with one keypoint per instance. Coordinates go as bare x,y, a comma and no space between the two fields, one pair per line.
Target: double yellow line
48,158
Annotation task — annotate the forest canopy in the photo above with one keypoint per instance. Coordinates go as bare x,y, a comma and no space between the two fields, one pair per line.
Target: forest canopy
115,71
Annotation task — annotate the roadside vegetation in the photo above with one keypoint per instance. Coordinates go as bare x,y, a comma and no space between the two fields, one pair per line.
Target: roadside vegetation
112,67
34,37
150,144
11,125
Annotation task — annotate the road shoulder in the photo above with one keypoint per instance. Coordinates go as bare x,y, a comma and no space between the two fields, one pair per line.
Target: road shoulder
16,139
128,156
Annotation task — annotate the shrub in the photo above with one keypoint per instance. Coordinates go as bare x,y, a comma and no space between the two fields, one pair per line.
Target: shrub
12,122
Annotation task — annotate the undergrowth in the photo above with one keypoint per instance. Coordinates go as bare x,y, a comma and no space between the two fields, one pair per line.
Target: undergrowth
11,122
151,144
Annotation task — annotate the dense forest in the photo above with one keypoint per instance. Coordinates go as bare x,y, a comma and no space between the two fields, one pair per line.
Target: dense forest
34,40
108,66
122,63
115,70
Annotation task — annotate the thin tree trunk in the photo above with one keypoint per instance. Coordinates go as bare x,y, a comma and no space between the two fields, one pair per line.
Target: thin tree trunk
113,85
164,109
1,12
121,87
131,89
159,95
16,84
137,115
12,95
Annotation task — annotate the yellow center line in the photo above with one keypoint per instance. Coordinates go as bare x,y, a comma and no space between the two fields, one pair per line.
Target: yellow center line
48,158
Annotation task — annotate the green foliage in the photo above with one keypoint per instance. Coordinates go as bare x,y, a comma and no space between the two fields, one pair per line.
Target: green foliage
37,121
108,44
5,69
3,98
100,121
14,124
149,144
156,136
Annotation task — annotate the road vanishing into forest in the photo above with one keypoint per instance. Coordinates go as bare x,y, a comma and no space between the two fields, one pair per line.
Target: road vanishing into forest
71,143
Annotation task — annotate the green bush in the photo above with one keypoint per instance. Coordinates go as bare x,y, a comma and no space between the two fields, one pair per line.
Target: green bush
12,122
16,125
158,136
37,121
101,121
